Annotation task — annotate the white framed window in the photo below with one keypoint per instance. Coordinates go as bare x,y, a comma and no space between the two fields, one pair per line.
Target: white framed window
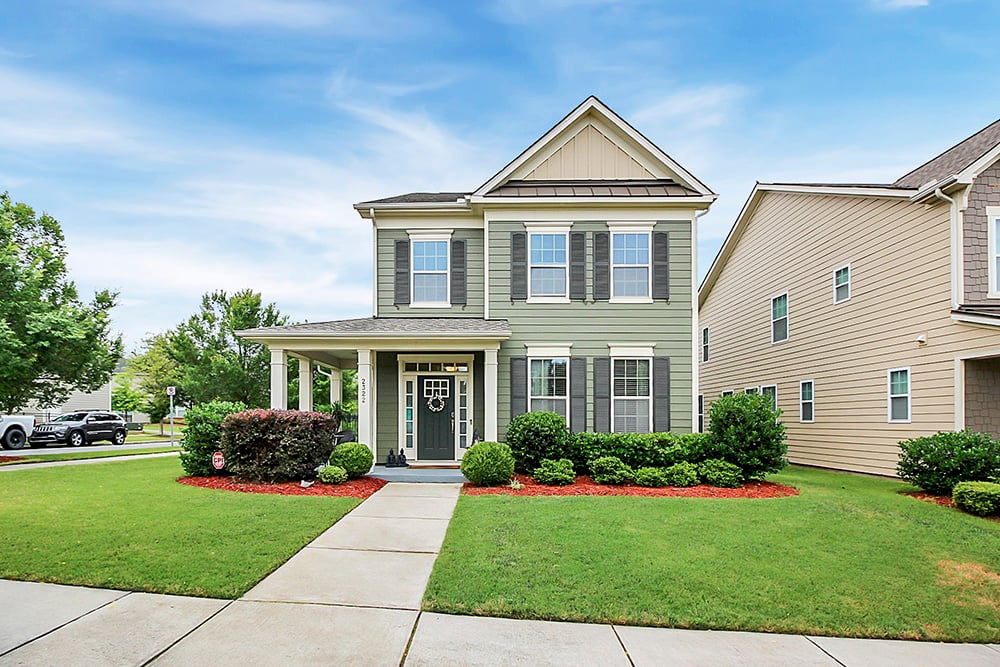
728,392
429,272
806,401
842,284
630,266
993,238
779,318
899,394
771,391
701,413
751,390
548,260
704,344
631,395
548,385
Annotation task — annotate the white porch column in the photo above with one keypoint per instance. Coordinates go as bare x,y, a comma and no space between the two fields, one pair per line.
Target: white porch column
365,400
279,379
305,385
336,385
490,384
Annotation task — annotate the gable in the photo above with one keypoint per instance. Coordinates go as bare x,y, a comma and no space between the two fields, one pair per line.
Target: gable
590,154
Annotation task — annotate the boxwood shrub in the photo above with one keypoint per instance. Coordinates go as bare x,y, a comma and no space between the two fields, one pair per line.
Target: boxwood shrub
354,457
488,463
745,430
535,436
610,470
555,472
277,445
716,472
332,475
938,462
651,477
203,435
979,498
681,474
641,450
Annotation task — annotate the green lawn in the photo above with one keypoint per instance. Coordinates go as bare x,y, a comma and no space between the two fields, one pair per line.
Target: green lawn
849,556
129,525
82,454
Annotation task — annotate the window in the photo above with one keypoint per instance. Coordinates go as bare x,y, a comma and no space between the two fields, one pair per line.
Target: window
993,238
547,274
771,391
630,266
430,272
631,402
726,393
899,395
750,390
548,385
701,413
704,344
842,284
779,318
806,401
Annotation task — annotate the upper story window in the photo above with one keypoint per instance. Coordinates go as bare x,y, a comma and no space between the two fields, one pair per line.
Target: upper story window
842,284
779,318
704,344
630,266
547,265
899,394
430,272
548,385
993,238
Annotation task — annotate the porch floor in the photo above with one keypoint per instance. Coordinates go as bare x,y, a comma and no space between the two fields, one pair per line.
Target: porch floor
416,474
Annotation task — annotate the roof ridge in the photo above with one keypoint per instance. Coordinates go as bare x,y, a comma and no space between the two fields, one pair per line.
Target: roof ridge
961,155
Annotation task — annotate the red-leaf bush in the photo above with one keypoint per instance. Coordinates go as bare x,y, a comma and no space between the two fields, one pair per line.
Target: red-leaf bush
277,445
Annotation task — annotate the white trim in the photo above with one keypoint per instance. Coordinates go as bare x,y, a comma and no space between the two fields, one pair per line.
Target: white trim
564,399
631,226
889,395
531,202
637,229
788,328
404,375
648,398
848,190
547,299
959,393
375,267
279,378
430,236
486,268
968,318
726,392
992,221
971,171
695,316
631,350
491,392
705,343
770,386
548,350
366,400
849,279
413,222
751,390
811,401
548,229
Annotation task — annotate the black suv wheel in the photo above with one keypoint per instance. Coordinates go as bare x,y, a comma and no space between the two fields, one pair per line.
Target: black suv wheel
76,439
119,437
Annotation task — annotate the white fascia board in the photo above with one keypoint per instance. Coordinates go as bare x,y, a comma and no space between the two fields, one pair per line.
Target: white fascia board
410,223
976,319
679,202
847,190
422,207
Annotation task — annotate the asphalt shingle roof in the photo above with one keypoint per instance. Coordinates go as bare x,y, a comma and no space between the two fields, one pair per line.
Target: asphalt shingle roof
382,326
418,198
955,159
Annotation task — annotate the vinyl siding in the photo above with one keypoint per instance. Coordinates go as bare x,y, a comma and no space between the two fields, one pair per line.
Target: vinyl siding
900,288
985,191
589,154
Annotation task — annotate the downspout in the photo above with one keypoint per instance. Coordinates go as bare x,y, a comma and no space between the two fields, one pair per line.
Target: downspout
955,250
695,329
371,212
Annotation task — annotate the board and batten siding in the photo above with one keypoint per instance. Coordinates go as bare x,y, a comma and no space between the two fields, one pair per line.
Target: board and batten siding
899,254
590,326
385,267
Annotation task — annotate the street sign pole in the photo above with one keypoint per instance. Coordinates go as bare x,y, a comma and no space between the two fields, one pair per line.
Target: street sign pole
170,392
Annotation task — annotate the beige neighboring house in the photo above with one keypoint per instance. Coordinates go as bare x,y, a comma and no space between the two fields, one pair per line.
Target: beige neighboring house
99,399
870,312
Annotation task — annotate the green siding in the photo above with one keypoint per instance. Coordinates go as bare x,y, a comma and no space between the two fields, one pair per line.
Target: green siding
386,239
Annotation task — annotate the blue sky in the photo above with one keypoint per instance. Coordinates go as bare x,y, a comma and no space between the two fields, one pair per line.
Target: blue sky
192,145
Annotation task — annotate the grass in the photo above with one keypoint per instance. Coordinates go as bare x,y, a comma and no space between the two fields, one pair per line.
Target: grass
129,525
848,557
84,454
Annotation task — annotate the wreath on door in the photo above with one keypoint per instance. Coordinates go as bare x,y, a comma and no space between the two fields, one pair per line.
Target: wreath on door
435,403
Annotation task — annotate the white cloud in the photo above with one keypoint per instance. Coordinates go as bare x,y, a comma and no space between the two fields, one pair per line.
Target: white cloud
242,13
890,5
693,109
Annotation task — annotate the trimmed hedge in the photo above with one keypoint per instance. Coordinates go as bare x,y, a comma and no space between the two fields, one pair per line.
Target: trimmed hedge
203,435
555,473
651,477
979,498
716,472
536,436
745,430
641,450
610,470
355,458
332,475
488,464
681,474
936,463
277,445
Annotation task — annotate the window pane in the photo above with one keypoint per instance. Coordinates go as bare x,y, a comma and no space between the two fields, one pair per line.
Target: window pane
843,292
631,377
430,255
807,412
772,393
631,249
900,383
548,248
843,276
548,282
550,404
430,287
631,416
779,307
779,330
996,235
548,377
900,408
631,281
807,391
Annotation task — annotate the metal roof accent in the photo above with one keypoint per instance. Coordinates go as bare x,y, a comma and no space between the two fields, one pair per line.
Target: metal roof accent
660,187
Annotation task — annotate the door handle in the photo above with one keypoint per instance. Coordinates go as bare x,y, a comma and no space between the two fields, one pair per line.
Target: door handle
452,421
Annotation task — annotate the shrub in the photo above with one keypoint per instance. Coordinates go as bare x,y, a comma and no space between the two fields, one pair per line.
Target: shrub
488,463
681,474
651,477
332,475
745,431
610,470
938,462
716,472
277,445
354,457
979,498
555,473
641,450
534,436
203,435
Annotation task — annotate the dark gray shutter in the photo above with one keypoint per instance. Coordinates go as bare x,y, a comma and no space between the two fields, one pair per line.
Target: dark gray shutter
661,265
578,266
401,287
578,394
518,266
661,394
458,271
602,394
518,386
602,266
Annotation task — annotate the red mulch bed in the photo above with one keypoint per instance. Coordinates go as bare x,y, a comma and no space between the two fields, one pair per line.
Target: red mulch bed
356,488
5,459
944,501
584,486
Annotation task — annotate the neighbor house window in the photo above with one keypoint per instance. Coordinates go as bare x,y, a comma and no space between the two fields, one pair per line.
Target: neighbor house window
726,393
779,318
701,413
704,344
750,390
806,401
899,395
547,273
548,385
842,284
631,402
630,266
771,391
430,272
993,238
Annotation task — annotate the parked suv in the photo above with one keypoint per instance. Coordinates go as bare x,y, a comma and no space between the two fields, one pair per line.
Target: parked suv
80,428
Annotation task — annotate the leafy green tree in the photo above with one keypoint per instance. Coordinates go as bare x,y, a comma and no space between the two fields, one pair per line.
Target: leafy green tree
156,371
50,342
124,397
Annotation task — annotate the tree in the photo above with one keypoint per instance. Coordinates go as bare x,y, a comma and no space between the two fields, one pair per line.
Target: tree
156,371
51,343
124,397
214,363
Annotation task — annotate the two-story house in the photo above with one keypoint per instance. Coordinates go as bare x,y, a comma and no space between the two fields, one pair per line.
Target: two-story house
869,313
565,282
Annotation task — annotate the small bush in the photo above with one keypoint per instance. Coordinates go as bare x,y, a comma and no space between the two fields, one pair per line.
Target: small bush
716,472
534,436
354,457
332,475
938,462
651,477
203,435
979,498
681,474
641,450
745,431
488,464
277,445
555,473
610,470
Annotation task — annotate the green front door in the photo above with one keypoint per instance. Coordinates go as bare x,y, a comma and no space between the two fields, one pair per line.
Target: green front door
435,418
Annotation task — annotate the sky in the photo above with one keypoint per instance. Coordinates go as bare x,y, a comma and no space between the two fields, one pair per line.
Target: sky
194,145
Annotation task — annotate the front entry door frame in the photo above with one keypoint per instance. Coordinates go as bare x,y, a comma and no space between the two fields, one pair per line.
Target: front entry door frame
450,365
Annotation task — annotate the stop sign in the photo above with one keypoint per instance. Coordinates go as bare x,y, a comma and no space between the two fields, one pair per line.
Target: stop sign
218,460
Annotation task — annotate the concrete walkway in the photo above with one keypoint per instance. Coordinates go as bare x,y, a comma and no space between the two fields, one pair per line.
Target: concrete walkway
353,596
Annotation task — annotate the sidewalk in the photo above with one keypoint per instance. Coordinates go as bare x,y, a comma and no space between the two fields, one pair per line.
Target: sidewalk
79,462
353,596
